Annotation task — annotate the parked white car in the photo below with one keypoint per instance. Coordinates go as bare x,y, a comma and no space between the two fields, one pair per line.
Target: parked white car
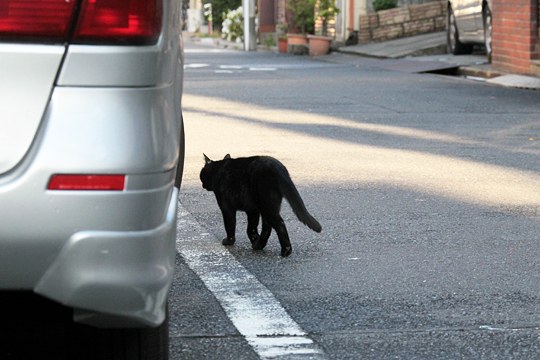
91,147
469,23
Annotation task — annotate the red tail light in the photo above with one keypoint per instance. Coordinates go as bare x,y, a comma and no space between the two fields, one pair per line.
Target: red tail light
118,21
87,182
32,19
98,21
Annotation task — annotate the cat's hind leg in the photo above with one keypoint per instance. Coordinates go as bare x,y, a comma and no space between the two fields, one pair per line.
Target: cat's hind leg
263,238
283,236
270,205
252,226
277,223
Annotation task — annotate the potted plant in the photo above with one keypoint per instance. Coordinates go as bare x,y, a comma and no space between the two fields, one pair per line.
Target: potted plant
319,44
282,44
282,37
302,11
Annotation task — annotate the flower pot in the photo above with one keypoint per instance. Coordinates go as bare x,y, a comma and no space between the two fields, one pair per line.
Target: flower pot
282,45
297,39
319,45
297,44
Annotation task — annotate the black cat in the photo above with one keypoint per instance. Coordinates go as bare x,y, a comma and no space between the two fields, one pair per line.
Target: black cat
257,186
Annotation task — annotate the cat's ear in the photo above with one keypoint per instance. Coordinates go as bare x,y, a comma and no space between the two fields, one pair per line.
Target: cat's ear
228,156
206,159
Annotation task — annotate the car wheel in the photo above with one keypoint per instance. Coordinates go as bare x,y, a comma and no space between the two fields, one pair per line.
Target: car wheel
453,44
488,32
89,343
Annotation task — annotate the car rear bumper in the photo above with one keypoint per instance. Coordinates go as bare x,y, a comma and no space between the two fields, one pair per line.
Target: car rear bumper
105,252
123,276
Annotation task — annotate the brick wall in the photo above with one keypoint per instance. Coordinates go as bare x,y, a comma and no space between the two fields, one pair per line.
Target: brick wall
403,21
516,44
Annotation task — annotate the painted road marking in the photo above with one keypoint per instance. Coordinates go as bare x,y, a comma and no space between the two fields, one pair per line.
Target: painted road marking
250,306
254,68
230,69
195,66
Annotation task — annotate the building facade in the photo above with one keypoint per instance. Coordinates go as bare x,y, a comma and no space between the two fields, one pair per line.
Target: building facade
516,41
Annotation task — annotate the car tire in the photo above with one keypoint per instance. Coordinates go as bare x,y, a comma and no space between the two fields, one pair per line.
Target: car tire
453,45
488,32
89,343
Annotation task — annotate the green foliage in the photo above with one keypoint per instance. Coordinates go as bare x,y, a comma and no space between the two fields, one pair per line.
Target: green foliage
326,11
384,4
269,41
220,9
303,11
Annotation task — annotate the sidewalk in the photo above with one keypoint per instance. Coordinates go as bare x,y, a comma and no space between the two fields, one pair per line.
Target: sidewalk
427,44
421,53
431,49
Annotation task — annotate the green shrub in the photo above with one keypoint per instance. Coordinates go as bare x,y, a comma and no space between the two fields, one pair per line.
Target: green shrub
303,14
326,11
220,9
384,4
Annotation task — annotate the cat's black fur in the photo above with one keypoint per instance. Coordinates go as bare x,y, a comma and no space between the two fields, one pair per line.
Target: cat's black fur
257,186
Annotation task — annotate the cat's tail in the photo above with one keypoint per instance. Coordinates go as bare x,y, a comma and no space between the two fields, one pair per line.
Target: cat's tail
293,197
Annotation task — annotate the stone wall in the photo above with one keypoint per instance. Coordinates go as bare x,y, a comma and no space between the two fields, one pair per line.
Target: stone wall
402,22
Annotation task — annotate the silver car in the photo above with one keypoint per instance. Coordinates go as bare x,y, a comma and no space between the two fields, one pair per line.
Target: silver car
91,148
469,23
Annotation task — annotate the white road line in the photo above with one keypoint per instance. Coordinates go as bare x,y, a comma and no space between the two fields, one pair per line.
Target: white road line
204,51
253,68
195,66
233,67
251,307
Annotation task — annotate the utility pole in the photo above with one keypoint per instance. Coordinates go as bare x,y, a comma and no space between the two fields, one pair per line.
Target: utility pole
248,7
208,14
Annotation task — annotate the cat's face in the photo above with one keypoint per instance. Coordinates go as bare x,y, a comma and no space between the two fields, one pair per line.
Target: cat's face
208,172
207,176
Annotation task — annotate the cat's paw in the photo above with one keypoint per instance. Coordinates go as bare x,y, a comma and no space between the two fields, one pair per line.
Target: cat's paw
253,238
228,241
286,251
257,246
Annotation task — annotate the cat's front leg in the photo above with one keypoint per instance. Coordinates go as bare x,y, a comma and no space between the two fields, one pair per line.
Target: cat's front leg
253,223
229,219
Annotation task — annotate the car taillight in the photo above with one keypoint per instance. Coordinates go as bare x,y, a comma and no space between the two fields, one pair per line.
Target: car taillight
133,22
119,21
49,19
87,182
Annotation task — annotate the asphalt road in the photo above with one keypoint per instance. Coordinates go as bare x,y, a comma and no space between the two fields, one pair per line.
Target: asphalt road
428,191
